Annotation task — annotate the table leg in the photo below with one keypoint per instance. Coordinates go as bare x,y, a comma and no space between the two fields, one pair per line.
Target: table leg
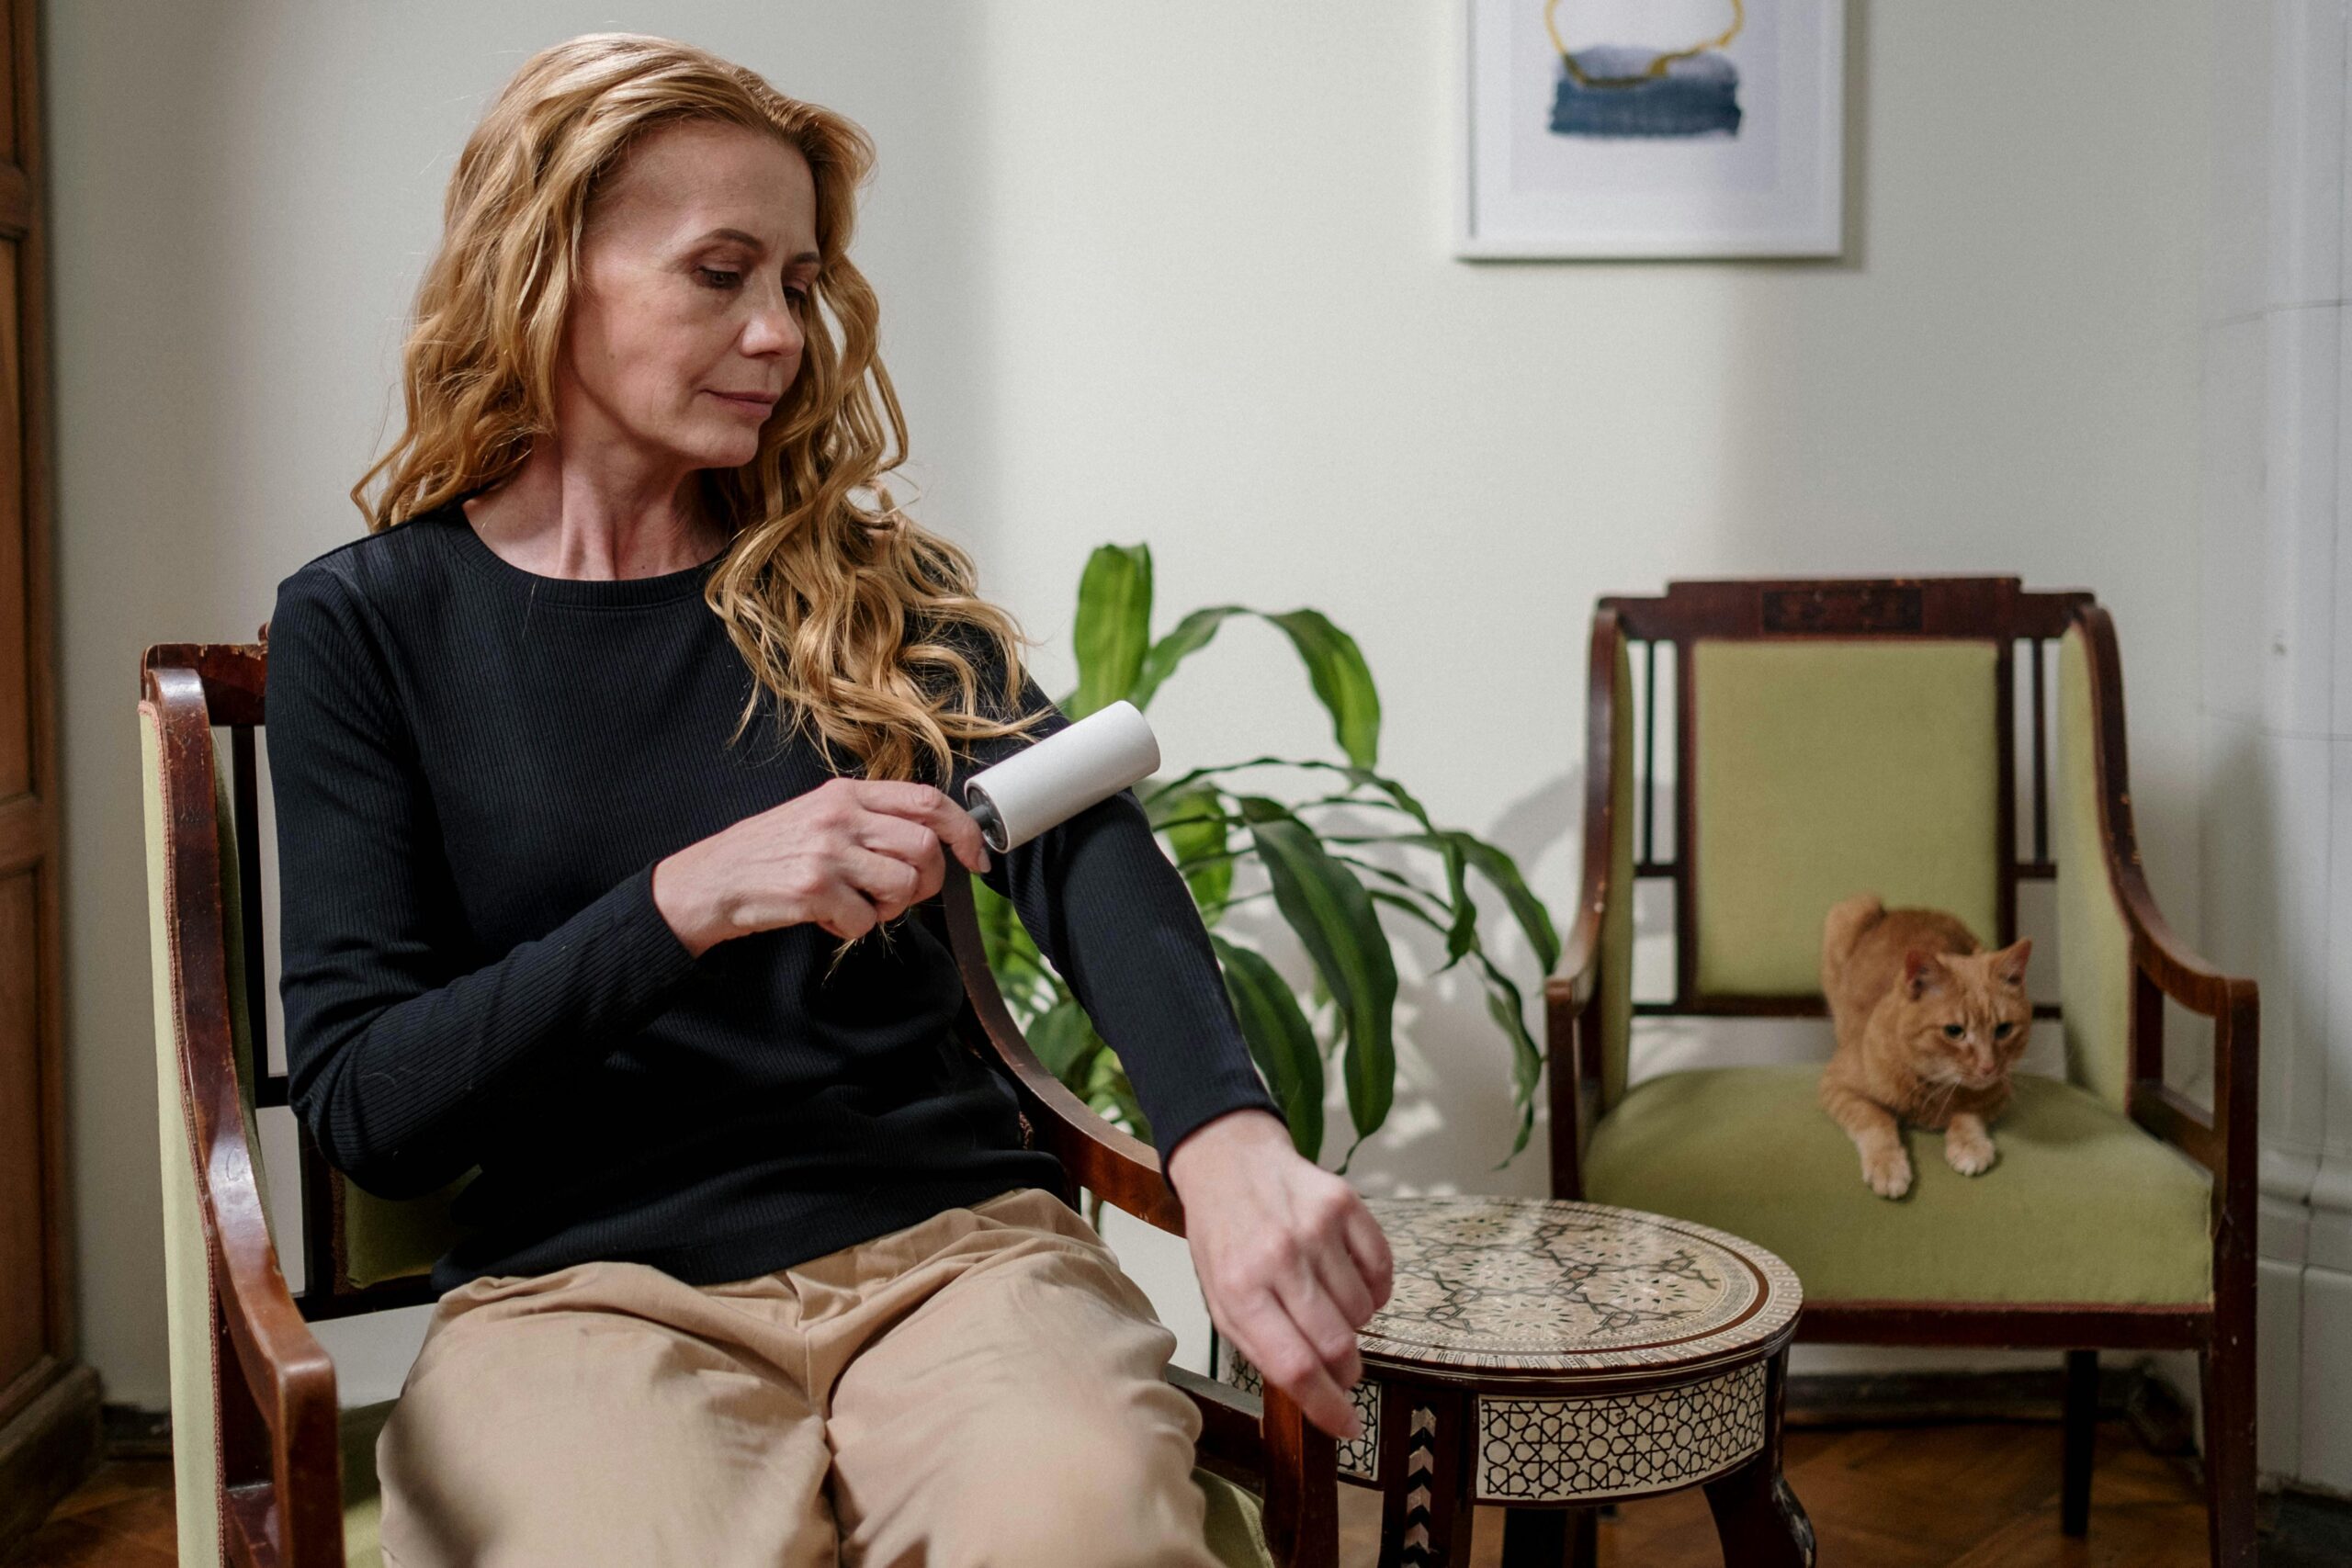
1426,1506
1758,1518
1550,1538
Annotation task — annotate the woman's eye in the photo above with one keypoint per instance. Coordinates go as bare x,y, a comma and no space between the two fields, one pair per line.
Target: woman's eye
1953,1031
727,278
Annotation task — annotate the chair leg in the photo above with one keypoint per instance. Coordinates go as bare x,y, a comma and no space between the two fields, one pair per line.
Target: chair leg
2082,1441
2227,1371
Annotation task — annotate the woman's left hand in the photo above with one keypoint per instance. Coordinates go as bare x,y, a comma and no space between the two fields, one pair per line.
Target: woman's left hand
1290,1262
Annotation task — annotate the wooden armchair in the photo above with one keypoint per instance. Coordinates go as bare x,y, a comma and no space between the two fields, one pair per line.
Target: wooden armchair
1841,736
268,1470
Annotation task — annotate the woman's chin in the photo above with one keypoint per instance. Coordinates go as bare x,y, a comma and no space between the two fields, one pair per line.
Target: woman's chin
728,449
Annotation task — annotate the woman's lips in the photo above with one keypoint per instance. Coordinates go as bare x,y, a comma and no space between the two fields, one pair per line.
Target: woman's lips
757,405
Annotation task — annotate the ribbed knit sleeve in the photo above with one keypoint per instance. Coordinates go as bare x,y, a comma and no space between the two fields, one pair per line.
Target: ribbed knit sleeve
1117,920
395,1046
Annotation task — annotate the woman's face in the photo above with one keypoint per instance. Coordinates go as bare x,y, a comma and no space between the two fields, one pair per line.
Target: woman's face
696,266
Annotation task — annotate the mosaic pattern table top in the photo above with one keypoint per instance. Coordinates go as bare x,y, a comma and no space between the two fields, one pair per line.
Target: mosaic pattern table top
1535,1285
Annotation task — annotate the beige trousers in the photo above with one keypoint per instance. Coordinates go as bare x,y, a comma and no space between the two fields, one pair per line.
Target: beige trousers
982,1387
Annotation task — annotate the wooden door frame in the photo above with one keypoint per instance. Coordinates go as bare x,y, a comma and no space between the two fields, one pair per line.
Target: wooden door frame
48,1410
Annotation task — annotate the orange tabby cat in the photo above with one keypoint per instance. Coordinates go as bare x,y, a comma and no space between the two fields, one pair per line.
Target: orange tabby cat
1929,1025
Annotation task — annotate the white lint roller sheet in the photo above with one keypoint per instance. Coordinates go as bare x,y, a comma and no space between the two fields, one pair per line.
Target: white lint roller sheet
1061,775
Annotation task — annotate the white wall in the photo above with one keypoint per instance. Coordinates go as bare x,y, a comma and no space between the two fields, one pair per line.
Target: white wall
2277,679
1178,275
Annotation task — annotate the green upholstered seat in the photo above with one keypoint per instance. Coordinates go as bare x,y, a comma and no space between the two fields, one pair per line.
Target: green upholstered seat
362,1510
2083,1206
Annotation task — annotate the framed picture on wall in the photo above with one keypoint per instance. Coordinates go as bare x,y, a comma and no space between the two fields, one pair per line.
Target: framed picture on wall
1652,128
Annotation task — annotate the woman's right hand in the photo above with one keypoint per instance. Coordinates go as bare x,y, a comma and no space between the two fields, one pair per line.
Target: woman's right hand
846,855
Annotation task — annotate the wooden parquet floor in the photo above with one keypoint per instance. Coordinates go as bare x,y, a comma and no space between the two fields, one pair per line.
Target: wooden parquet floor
1974,1495
121,1516
1978,1495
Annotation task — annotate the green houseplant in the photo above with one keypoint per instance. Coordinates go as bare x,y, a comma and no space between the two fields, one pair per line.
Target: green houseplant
1320,880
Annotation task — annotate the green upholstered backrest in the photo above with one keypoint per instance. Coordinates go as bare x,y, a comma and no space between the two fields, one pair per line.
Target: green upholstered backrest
1826,767
1617,914
391,1238
2094,943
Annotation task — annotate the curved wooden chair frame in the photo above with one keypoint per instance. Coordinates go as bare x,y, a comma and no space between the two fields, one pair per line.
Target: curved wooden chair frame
2221,1332
275,1385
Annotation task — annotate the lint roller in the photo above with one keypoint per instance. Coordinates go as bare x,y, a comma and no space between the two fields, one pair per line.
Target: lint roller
1061,775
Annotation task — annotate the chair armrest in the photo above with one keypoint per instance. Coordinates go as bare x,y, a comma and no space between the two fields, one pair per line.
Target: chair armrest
1571,1024
1099,1157
287,1375
280,1460
2164,965
1580,951
1232,1439
1267,1444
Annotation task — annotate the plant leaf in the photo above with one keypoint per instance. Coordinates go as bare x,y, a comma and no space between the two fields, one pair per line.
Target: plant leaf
1029,987
1114,1097
1114,625
1194,820
1191,633
1505,1006
1527,1059
1534,918
1065,1041
1335,921
1280,1041
1335,668
1499,868
1343,680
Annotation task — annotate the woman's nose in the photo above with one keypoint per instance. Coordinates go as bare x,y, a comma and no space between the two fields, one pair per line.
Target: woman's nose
775,328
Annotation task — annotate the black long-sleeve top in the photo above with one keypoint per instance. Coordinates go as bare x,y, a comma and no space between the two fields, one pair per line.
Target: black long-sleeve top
475,769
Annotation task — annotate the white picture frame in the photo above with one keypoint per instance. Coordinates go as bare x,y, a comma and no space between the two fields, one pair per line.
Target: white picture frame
1666,148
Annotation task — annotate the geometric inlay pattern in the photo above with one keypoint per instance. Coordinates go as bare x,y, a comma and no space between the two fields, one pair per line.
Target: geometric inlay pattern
1359,1457
1559,1449
1532,1285
1420,1475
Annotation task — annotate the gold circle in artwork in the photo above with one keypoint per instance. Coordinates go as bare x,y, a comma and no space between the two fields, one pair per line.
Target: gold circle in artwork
1658,67
1536,1285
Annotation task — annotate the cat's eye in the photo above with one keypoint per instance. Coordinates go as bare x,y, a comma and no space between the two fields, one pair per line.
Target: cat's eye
1953,1031
2001,1031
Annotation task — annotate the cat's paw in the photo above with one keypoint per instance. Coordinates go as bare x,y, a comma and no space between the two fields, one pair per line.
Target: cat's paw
1969,1153
1888,1172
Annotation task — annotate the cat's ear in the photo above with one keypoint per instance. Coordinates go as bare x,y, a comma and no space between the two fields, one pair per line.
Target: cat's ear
1921,969
2009,964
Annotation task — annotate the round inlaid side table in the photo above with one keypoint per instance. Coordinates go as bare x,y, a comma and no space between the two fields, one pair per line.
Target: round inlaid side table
1549,1357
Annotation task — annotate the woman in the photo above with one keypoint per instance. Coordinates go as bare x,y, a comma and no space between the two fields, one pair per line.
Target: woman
625,708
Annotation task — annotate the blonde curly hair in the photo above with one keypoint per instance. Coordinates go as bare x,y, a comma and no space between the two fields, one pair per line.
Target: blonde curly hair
860,621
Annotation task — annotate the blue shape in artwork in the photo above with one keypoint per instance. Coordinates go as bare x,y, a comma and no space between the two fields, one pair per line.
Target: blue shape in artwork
1694,96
